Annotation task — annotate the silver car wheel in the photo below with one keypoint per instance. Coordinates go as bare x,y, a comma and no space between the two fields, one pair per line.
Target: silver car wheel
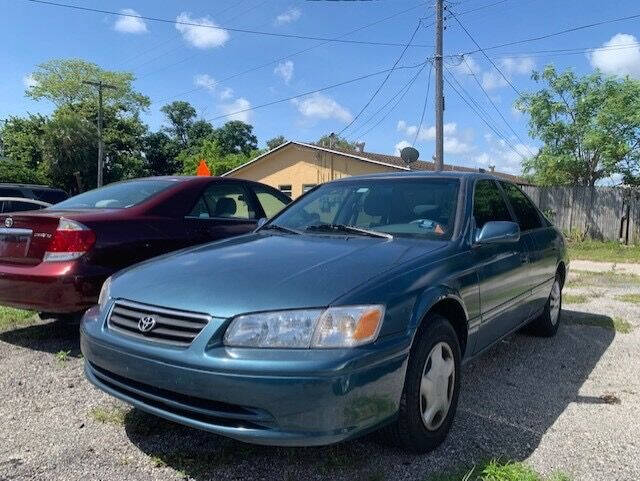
554,303
437,386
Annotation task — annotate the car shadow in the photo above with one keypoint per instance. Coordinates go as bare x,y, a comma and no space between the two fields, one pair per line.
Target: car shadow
510,397
48,336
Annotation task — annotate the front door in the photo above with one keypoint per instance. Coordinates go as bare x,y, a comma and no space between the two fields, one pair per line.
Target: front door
225,209
502,271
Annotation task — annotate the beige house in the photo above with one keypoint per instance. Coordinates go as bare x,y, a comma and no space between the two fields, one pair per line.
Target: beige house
295,167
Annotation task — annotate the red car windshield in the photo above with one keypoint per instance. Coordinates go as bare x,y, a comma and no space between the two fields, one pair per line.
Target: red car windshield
116,196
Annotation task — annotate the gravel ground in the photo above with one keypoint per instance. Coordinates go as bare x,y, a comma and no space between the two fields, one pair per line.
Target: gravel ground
568,404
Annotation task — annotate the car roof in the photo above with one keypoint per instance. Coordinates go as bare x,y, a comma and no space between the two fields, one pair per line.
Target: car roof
424,174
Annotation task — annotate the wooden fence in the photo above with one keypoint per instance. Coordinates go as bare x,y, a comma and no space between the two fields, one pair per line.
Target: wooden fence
602,213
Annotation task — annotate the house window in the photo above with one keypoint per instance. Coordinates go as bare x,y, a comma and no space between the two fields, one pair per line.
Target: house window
286,189
307,187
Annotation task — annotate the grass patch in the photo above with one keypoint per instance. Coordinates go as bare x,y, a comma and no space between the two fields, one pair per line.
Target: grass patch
575,298
631,298
10,318
498,471
600,279
616,324
109,415
62,356
603,252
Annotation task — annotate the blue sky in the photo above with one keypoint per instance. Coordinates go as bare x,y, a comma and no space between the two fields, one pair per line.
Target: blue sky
170,60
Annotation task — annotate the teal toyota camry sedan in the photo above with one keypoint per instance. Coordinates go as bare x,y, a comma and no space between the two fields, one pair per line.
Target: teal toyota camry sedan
351,310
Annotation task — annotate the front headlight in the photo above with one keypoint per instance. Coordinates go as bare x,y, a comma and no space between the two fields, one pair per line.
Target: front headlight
311,328
105,294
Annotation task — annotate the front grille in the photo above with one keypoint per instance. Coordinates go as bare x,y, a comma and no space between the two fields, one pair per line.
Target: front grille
177,328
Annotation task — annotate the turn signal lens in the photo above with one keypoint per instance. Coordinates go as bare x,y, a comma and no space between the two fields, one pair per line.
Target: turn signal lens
348,326
70,241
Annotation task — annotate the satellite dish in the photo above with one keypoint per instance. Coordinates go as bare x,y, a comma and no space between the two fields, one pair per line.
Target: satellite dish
409,155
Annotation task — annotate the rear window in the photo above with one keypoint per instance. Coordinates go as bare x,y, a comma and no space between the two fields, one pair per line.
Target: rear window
116,196
50,196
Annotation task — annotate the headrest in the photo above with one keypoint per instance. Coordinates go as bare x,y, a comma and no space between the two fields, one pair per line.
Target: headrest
225,207
376,204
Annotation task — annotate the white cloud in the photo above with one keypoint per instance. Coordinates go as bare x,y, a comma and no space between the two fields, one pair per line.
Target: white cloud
284,70
618,61
322,107
205,81
201,36
28,81
467,66
493,80
502,156
130,24
226,93
455,141
291,15
401,145
518,65
233,109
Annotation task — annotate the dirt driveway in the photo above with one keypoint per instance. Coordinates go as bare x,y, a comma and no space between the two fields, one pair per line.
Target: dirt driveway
570,403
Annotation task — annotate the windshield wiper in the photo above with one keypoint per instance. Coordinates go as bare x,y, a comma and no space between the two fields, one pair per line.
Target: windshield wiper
280,228
349,229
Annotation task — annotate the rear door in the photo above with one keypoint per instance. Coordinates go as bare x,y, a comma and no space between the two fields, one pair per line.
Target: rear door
224,209
541,236
502,270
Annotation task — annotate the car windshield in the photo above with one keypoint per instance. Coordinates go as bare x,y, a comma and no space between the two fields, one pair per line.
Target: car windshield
423,208
116,196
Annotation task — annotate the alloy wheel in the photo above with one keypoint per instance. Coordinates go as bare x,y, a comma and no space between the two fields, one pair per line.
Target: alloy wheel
437,386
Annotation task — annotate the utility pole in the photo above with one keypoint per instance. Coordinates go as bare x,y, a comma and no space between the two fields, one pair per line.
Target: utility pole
100,86
439,88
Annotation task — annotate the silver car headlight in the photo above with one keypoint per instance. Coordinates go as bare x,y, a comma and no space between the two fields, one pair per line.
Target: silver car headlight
105,294
307,328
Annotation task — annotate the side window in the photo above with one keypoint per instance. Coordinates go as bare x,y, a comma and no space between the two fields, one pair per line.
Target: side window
10,192
17,206
270,202
488,204
526,212
223,200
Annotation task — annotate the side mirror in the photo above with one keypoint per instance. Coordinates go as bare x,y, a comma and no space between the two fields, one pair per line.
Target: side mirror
261,221
498,232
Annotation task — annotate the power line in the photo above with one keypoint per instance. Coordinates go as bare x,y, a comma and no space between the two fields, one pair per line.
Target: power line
424,106
564,51
495,107
485,54
406,88
384,81
285,57
554,34
219,27
407,85
484,120
310,92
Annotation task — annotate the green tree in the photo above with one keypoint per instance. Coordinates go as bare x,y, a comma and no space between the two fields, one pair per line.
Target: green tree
275,142
21,149
236,137
161,154
215,158
181,116
62,82
589,126
336,141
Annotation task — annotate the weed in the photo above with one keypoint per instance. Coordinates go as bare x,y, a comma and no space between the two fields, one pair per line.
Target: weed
109,415
575,298
62,356
497,471
10,318
615,324
631,298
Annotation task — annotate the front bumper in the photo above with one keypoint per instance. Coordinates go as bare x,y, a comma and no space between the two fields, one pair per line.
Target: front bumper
55,287
279,397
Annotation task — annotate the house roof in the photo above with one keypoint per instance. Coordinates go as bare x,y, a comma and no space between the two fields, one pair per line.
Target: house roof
392,161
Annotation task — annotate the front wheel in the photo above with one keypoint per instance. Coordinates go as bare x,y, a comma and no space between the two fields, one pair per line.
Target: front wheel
432,385
547,324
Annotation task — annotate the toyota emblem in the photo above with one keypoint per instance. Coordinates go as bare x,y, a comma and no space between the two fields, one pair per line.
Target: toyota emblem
8,222
146,323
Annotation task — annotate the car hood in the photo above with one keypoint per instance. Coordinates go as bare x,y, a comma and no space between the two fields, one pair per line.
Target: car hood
261,272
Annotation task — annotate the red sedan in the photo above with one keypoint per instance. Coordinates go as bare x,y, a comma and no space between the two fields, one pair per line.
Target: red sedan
55,260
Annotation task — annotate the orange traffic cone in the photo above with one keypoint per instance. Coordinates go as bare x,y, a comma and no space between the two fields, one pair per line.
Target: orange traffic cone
203,170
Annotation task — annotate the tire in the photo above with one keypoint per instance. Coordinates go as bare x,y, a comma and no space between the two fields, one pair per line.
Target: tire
547,324
410,430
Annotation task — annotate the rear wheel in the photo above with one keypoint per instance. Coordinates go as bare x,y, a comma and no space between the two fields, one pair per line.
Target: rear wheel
547,324
432,384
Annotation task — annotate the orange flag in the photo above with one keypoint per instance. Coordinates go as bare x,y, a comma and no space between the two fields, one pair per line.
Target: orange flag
203,170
